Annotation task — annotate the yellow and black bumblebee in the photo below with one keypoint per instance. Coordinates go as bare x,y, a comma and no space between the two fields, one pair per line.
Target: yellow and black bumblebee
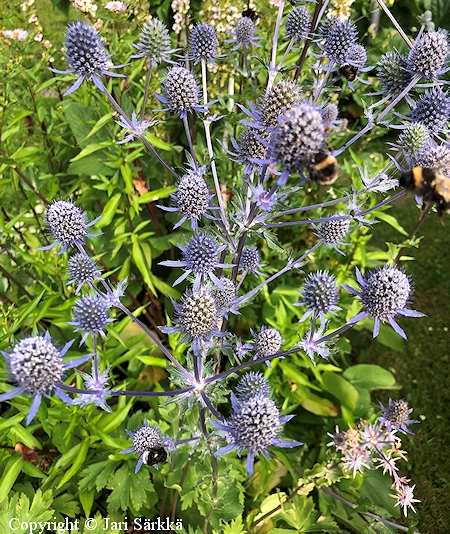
251,14
154,456
349,72
323,168
432,187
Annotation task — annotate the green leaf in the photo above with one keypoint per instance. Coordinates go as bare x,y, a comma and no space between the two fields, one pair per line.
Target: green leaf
90,149
129,488
96,476
392,221
82,119
141,263
19,506
66,504
368,376
87,500
6,424
151,196
341,389
109,211
10,474
99,125
153,360
77,463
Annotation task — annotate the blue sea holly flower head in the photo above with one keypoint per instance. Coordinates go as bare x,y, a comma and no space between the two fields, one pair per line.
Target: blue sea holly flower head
254,425
135,127
203,43
192,198
313,345
244,34
86,56
99,384
436,157
297,138
283,96
432,110
396,416
181,92
429,54
413,139
340,37
251,261
145,440
267,342
196,317
251,148
154,43
91,315
251,384
298,23
392,73
82,270
320,295
37,368
334,231
200,258
68,224
224,297
385,293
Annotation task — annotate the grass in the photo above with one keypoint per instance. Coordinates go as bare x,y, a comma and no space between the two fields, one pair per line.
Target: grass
422,367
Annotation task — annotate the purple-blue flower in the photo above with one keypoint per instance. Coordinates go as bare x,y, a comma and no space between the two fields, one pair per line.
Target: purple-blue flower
396,416
255,424
37,368
385,293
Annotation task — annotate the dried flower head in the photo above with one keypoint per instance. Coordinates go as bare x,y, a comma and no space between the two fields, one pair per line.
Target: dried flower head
254,425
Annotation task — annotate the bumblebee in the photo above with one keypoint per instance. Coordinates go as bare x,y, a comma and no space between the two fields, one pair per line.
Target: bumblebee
154,456
431,186
349,72
251,14
323,169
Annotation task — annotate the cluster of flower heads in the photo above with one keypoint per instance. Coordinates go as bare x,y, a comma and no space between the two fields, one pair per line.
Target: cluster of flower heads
378,446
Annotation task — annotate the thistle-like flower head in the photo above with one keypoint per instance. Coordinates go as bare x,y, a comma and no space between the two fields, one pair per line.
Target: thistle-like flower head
91,314
145,440
154,42
254,425
298,23
297,138
200,258
413,139
224,297
334,231
283,96
340,38
37,368
244,34
203,43
67,223
432,110
320,294
396,416
429,54
436,157
82,270
392,73
251,384
385,293
181,92
86,55
99,384
251,260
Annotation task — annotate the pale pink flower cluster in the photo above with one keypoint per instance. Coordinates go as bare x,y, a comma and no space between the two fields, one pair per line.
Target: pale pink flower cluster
369,446
19,34
25,5
116,6
179,8
86,6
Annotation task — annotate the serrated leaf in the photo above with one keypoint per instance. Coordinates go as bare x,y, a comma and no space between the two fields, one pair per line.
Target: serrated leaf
129,488
96,475
66,505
